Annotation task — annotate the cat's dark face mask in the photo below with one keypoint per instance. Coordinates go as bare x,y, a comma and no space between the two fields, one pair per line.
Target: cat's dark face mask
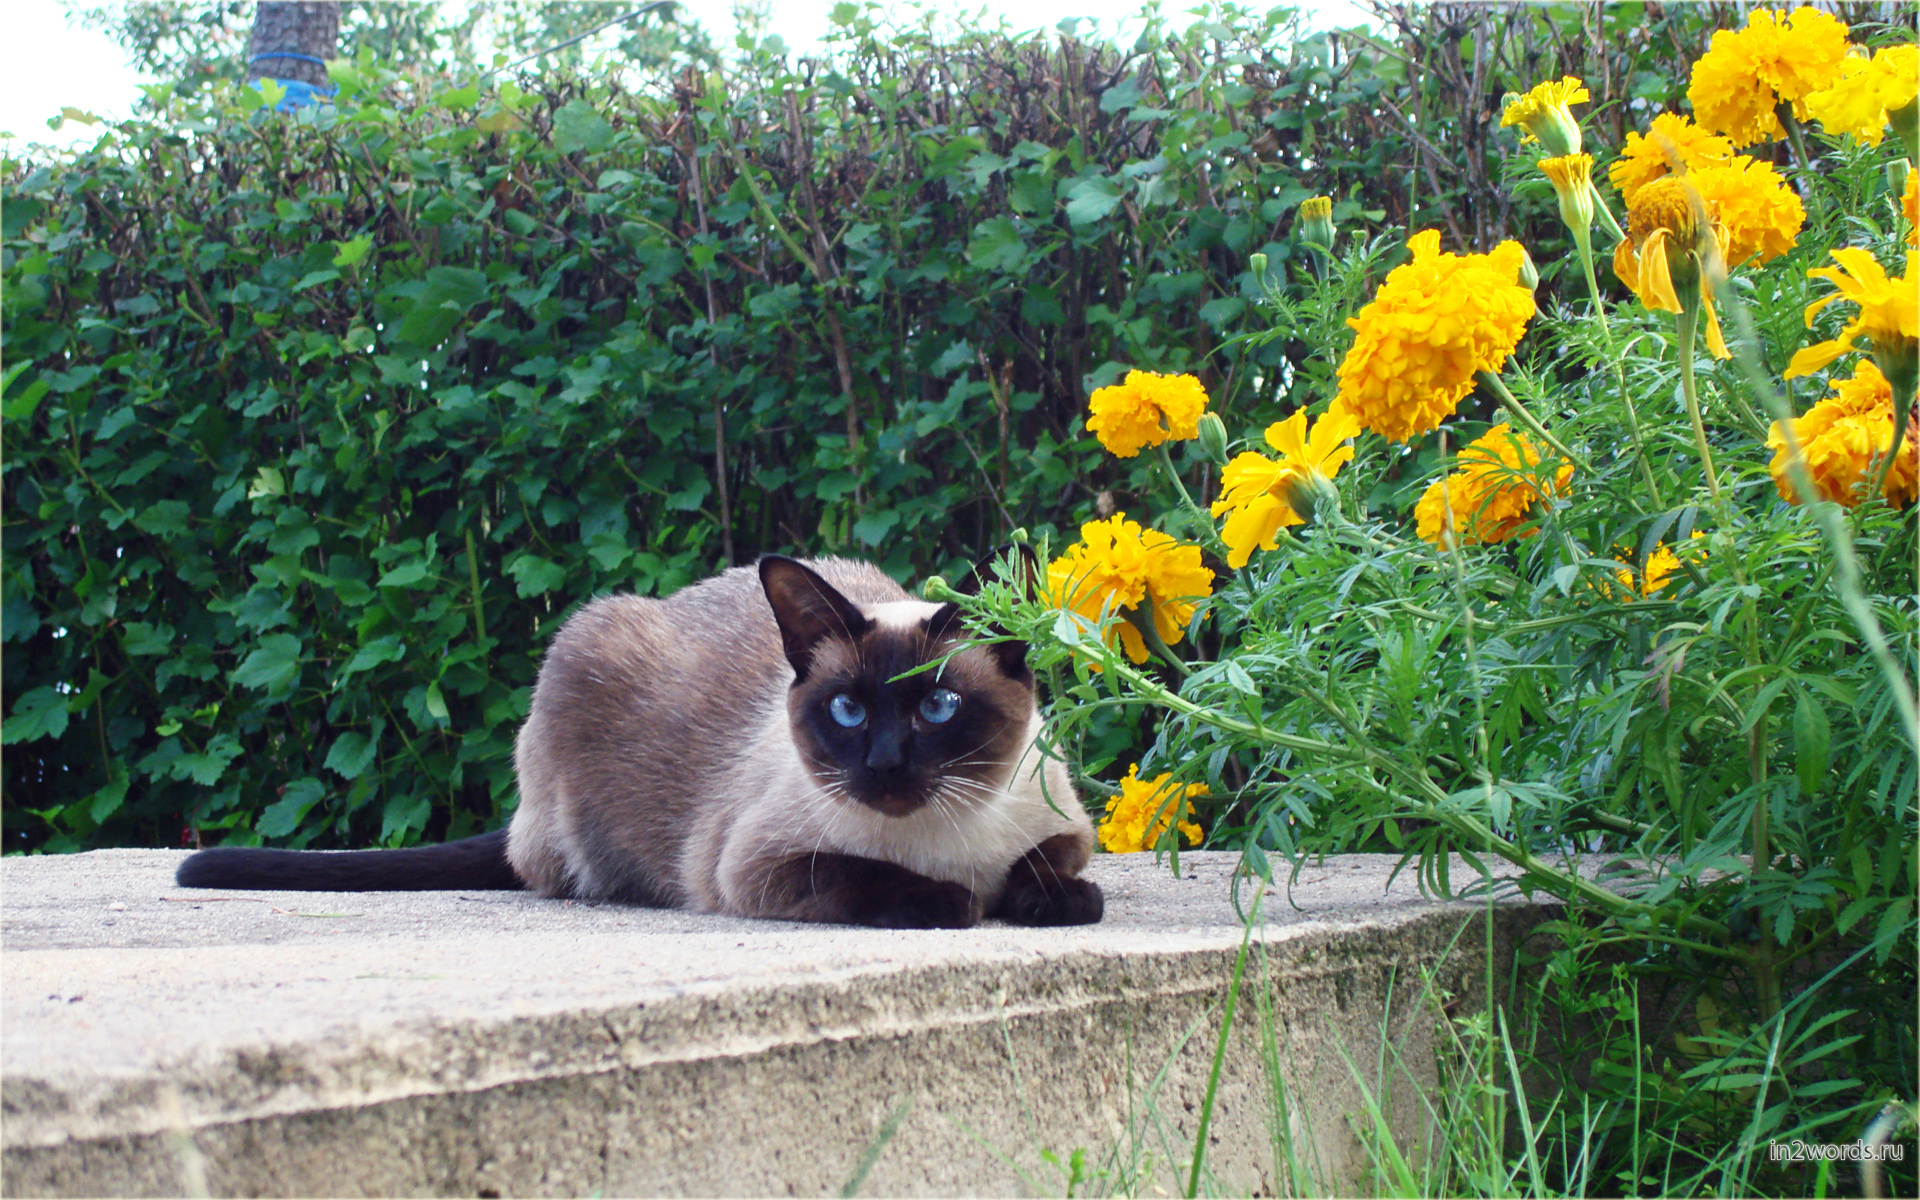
873,728
899,742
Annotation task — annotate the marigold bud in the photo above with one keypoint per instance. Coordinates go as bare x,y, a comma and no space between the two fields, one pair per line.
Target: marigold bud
1544,116
1529,275
1314,226
1905,123
1213,437
1313,496
1572,179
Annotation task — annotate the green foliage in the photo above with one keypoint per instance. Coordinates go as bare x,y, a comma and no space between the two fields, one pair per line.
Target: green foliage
315,427
1717,775
1519,702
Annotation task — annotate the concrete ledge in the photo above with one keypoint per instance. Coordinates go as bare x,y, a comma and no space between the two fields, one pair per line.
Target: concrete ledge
167,1041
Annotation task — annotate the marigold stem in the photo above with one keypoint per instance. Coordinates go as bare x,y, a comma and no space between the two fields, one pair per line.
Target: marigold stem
1584,240
1606,214
1427,801
1201,518
1794,137
1166,463
1141,618
1902,405
1689,322
1766,971
1494,384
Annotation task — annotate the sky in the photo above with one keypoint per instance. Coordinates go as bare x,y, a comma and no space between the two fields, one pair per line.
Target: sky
72,67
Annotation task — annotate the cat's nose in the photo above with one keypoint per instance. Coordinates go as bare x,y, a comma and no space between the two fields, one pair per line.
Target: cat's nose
887,750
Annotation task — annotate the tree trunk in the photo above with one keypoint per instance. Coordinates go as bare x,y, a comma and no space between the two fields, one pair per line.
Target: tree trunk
281,27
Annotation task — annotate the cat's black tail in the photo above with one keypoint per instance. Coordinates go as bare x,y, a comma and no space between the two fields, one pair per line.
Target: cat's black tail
471,864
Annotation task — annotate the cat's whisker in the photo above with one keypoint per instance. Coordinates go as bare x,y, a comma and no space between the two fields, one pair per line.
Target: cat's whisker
984,743
975,786
941,799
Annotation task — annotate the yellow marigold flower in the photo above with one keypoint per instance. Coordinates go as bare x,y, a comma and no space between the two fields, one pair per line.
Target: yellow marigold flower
1145,410
1746,74
1545,117
1116,567
1887,316
1435,322
1492,493
1263,495
1865,91
1669,137
1762,215
1661,565
1138,817
1844,438
1661,256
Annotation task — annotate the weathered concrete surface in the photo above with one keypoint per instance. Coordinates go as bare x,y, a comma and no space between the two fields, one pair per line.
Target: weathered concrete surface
162,1041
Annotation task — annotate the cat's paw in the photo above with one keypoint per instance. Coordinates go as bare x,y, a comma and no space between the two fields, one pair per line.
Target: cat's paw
1050,900
927,904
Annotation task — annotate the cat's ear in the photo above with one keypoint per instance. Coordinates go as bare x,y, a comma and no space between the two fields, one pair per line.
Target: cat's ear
1026,571
1011,653
808,610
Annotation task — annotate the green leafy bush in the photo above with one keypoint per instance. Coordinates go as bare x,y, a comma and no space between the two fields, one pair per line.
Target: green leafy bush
1596,641
315,427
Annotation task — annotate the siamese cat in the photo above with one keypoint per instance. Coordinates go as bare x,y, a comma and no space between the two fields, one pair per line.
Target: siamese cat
753,745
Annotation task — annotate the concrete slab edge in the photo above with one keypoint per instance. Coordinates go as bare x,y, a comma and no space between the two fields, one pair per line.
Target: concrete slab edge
451,1056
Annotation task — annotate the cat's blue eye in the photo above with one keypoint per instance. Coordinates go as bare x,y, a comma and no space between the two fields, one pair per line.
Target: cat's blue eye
940,705
847,711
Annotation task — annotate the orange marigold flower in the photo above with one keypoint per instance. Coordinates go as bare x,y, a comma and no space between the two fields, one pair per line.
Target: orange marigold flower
1491,495
1263,495
1762,215
1865,91
1434,323
1746,74
1889,315
1117,567
1145,410
1139,816
1664,249
1644,159
1844,438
